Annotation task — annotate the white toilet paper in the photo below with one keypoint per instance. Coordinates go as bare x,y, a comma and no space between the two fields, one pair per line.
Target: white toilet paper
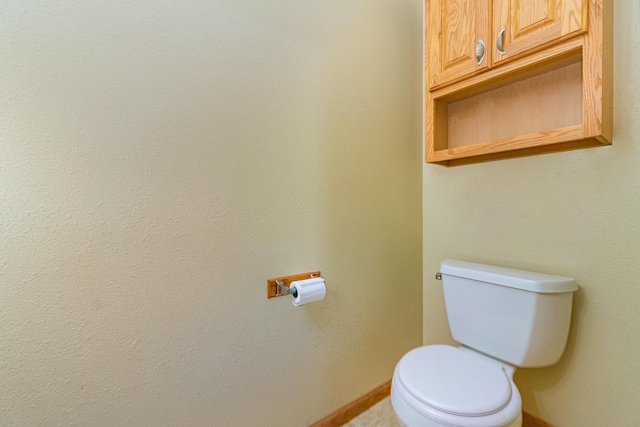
309,290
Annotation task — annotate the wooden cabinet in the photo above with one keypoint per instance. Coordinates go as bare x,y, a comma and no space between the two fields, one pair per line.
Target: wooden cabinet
544,84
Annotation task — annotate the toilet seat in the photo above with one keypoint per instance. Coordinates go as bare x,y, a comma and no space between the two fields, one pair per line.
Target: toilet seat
456,387
454,381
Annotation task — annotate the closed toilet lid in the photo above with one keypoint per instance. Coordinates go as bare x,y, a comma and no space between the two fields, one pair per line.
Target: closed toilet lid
454,381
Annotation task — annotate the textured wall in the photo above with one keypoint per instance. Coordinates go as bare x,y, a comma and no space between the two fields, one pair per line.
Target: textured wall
159,160
576,214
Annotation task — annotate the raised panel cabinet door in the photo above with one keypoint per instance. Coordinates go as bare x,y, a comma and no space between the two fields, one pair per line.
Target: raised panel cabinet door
521,25
457,31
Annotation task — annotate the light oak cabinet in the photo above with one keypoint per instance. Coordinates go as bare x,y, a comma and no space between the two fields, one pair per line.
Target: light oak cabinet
507,78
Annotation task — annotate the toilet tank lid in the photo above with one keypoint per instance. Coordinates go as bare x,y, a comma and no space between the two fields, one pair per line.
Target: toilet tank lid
519,279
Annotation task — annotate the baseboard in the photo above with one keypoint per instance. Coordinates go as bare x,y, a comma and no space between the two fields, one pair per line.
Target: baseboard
529,420
355,408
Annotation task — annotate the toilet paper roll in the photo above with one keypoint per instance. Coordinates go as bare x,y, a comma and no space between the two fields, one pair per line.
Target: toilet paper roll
309,290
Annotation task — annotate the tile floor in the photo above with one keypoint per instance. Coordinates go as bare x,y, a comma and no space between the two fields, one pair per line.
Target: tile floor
379,415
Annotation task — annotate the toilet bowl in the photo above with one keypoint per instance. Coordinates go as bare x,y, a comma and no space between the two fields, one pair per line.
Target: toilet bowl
503,319
440,385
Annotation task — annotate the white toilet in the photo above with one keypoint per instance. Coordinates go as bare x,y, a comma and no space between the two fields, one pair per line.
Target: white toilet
504,319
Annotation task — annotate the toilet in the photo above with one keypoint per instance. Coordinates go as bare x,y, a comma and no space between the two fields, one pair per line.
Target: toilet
504,319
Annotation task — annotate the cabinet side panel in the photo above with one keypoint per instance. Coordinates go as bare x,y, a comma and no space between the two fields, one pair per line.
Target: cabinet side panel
428,98
597,72
607,73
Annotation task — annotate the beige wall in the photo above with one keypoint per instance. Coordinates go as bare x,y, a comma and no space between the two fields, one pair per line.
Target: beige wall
159,161
577,214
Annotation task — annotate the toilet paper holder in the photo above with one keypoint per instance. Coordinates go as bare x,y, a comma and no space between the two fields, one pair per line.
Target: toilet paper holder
279,286
282,290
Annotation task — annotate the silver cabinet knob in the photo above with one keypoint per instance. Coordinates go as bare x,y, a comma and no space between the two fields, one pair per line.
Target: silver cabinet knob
499,44
481,51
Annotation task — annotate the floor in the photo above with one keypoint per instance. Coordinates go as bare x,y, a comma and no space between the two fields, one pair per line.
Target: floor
379,415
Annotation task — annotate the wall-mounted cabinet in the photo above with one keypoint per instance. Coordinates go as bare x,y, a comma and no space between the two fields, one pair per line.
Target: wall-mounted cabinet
508,78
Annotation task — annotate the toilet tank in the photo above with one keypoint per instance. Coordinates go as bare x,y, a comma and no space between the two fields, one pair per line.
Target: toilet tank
517,316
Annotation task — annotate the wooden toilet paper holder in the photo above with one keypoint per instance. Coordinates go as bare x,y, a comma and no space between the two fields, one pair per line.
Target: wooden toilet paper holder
279,286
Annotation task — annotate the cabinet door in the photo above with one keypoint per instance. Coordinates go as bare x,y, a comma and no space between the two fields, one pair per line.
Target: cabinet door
453,30
521,25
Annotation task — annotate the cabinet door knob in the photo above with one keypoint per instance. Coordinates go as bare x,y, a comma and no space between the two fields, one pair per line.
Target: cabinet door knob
499,45
481,51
